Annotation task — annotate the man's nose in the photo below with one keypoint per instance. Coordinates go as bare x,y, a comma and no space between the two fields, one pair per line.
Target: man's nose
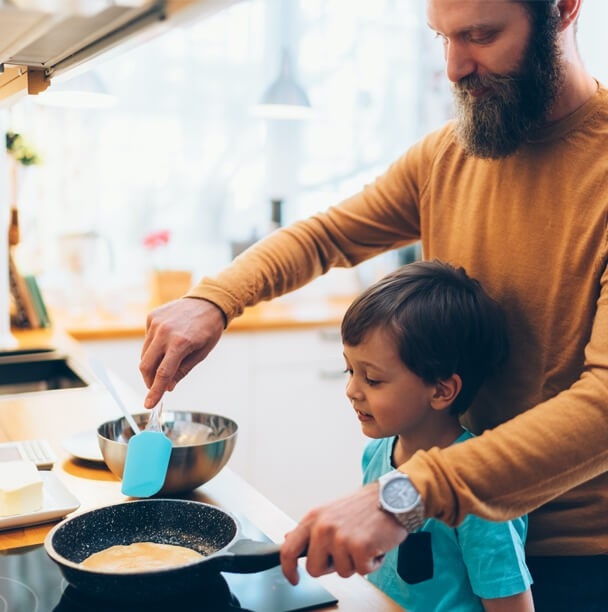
459,61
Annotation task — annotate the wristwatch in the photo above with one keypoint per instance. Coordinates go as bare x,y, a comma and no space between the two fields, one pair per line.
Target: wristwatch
399,497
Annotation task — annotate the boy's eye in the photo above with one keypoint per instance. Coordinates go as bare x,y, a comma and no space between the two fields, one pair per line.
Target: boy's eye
371,382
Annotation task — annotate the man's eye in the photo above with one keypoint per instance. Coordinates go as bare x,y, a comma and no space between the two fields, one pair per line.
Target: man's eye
484,38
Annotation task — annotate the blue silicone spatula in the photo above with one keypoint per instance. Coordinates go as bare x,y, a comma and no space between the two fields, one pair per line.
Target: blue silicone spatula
148,451
148,454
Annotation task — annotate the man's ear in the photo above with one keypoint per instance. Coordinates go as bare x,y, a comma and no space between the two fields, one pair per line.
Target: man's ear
445,392
568,11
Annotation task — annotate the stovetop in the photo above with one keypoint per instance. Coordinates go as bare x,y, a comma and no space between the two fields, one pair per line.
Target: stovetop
31,582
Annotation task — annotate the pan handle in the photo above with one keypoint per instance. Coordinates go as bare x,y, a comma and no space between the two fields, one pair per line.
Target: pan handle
247,556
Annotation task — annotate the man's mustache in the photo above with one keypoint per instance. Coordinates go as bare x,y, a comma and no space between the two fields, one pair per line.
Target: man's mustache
473,82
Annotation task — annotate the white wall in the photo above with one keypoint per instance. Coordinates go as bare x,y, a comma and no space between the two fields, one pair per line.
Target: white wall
593,39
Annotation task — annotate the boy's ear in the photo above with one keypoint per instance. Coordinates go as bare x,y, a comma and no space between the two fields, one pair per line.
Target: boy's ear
445,392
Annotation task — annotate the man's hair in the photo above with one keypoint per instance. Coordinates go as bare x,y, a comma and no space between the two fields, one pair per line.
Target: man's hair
442,320
541,11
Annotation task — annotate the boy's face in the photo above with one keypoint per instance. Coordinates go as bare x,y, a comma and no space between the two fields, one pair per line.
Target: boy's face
389,399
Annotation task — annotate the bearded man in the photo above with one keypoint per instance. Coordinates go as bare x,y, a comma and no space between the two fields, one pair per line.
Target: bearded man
497,111
515,190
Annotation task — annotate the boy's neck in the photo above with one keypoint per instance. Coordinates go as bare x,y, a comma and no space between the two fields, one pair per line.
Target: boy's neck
405,447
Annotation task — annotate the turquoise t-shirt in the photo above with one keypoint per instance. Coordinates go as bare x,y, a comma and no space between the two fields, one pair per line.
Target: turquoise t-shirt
478,559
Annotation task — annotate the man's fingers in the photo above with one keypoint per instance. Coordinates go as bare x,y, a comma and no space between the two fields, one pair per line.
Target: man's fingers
324,562
152,355
161,379
179,335
371,565
294,546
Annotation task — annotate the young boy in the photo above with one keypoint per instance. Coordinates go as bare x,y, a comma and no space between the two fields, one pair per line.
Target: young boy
418,344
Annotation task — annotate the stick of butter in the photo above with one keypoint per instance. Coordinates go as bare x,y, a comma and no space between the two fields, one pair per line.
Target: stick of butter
20,488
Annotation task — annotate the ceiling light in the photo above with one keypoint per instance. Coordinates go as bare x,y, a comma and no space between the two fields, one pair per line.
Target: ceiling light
284,99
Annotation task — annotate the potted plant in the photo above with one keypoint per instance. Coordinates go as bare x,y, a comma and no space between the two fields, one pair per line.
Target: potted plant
20,154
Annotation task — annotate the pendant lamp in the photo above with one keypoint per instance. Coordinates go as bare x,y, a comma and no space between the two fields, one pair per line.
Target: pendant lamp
285,98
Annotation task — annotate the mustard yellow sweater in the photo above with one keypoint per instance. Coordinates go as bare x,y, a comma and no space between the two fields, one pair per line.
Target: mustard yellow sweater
533,229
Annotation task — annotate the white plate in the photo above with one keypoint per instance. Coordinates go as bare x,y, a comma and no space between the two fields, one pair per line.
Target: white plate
57,501
84,445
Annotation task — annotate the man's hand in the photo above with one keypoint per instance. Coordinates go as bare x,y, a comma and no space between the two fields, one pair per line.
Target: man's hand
179,335
347,536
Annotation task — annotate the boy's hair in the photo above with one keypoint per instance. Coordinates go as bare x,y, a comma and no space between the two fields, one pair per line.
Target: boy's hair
442,320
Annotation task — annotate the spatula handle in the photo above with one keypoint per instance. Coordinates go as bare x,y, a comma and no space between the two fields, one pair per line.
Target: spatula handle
102,374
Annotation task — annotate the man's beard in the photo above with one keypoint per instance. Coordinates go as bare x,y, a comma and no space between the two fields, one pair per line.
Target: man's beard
496,124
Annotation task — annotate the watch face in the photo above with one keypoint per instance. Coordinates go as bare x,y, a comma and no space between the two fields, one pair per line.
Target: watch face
399,494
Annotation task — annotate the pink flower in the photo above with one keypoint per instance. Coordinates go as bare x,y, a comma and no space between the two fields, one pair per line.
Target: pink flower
153,240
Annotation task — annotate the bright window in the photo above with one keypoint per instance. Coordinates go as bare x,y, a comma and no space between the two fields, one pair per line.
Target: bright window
181,151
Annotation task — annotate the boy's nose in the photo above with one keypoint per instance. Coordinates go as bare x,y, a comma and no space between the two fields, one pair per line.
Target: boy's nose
352,391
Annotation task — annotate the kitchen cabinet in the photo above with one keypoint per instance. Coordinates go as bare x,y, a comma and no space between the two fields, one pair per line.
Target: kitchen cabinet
299,442
43,40
308,440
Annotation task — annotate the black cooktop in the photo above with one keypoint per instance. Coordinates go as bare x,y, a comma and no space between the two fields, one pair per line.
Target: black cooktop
31,582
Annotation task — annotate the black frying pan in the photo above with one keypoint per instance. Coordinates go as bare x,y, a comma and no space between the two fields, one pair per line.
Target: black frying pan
205,528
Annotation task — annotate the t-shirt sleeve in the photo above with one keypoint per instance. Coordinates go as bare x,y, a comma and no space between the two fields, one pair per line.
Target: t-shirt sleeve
494,556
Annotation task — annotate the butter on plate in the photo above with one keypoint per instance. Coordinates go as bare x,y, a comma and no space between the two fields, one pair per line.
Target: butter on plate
20,488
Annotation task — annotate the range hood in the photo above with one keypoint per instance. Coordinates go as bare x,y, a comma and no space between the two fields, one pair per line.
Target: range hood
54,36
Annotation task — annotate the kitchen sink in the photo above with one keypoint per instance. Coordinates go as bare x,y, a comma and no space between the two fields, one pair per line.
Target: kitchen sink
28,371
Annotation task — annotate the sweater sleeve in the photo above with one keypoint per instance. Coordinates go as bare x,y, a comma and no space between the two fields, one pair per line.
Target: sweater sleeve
383,216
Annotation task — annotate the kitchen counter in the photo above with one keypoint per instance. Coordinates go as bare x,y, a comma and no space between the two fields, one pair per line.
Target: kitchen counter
282,313
55,415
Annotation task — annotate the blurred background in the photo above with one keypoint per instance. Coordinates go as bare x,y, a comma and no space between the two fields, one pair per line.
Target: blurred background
174,166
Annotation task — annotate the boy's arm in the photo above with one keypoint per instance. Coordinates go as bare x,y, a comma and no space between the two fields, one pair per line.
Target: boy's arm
522,602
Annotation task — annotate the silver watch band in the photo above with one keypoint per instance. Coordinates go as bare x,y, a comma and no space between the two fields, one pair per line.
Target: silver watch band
413,520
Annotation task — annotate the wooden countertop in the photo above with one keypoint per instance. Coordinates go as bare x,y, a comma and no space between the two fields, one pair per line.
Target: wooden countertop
278,314
55,415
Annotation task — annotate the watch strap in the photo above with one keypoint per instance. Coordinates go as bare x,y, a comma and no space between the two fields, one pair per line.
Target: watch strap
412,520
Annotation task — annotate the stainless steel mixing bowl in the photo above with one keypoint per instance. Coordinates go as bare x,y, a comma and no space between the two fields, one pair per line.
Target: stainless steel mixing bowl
202,445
